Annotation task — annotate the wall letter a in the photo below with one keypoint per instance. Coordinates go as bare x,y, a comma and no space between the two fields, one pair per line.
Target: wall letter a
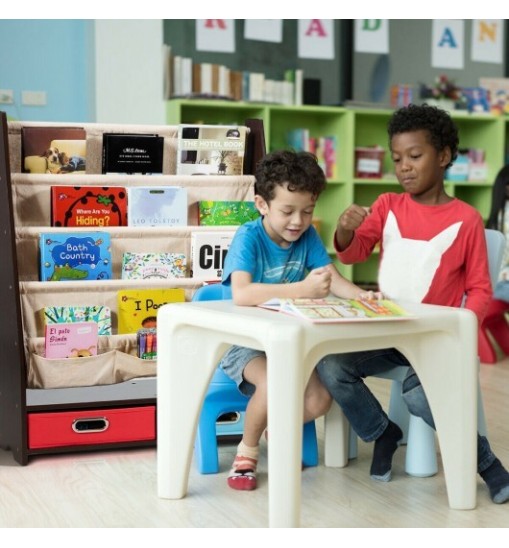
316,27
448,39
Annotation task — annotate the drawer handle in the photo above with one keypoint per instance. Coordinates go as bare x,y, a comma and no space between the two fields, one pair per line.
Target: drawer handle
87,426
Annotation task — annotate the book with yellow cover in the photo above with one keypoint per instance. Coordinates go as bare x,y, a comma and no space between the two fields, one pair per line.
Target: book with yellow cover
335,309
137,308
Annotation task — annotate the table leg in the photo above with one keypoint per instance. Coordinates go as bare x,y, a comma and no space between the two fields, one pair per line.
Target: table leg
184,370
450,382
285,382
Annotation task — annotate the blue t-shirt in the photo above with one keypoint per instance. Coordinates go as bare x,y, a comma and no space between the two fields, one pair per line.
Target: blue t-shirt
253,251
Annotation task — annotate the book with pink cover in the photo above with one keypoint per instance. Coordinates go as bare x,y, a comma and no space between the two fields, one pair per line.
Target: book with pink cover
71,340
335,309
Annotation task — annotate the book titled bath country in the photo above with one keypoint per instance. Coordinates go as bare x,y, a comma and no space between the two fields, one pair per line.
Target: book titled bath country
74,256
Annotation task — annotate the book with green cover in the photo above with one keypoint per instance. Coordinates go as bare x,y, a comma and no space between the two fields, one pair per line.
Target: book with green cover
70,314
226,212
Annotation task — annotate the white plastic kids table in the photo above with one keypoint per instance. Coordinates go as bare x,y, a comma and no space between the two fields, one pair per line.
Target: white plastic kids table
441,344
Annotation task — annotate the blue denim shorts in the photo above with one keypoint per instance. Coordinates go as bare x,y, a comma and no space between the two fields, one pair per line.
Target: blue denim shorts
233,364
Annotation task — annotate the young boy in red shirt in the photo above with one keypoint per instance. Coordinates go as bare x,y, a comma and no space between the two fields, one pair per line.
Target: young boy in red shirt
432,250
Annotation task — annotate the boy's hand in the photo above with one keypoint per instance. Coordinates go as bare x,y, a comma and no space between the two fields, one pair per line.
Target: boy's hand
370,296
317,283
352,218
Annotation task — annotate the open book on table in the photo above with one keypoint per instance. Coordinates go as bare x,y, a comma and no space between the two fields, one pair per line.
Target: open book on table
334,309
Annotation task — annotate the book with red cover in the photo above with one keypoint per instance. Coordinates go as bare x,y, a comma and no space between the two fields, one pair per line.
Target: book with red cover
88,206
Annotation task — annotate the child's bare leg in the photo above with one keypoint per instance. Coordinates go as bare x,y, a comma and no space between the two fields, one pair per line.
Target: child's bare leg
243,473
317,400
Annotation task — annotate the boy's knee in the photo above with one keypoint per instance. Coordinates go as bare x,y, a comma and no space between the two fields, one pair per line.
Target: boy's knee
330,370
317,403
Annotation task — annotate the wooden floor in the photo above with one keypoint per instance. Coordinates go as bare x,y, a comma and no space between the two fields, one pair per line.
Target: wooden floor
118,488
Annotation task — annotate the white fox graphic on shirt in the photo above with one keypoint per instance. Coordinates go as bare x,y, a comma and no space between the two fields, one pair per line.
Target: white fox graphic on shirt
408,266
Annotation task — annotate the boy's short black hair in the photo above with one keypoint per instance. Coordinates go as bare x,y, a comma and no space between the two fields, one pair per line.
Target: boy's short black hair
299,169
437,122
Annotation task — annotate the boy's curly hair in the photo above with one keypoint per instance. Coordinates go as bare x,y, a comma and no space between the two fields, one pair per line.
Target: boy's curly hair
438,123
299,169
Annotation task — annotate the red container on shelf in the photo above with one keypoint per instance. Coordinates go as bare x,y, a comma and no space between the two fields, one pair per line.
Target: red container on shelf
369,162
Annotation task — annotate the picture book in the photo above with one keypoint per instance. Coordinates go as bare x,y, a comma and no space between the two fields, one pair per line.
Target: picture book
157,206
334,309
211,149
208,251
132,153
73,256
137,308
88,206
53,149
221,213
143,266
70,340
101,315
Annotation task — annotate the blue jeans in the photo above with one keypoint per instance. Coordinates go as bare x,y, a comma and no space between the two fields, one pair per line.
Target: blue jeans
342,375
501,291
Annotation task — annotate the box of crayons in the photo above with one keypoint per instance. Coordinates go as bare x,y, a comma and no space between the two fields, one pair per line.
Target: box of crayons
146,340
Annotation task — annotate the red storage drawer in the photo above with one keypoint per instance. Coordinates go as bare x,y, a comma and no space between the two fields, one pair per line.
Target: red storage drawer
70,428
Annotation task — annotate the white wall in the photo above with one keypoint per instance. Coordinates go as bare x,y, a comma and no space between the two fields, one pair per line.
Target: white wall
129,71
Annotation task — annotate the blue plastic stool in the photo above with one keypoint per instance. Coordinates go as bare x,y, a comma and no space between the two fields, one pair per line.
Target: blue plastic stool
222,397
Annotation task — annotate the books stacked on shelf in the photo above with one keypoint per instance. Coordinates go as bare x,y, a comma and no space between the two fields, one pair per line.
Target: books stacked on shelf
296,78
132,153
334,309
185,79
101,315
71,340
208,252
324,148
211,149
74,256
144,266
226,212
53,149
157,206
88,206
137,308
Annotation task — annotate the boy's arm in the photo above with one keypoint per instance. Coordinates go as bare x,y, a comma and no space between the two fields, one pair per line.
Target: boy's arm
245,293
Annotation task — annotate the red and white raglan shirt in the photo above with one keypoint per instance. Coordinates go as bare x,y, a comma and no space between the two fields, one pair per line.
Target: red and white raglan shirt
429,254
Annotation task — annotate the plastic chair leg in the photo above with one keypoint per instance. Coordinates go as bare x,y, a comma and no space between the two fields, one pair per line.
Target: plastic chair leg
421,455
309,445
205,445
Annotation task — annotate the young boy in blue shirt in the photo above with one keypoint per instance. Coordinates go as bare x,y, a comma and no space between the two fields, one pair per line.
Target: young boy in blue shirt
432,250
280,255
